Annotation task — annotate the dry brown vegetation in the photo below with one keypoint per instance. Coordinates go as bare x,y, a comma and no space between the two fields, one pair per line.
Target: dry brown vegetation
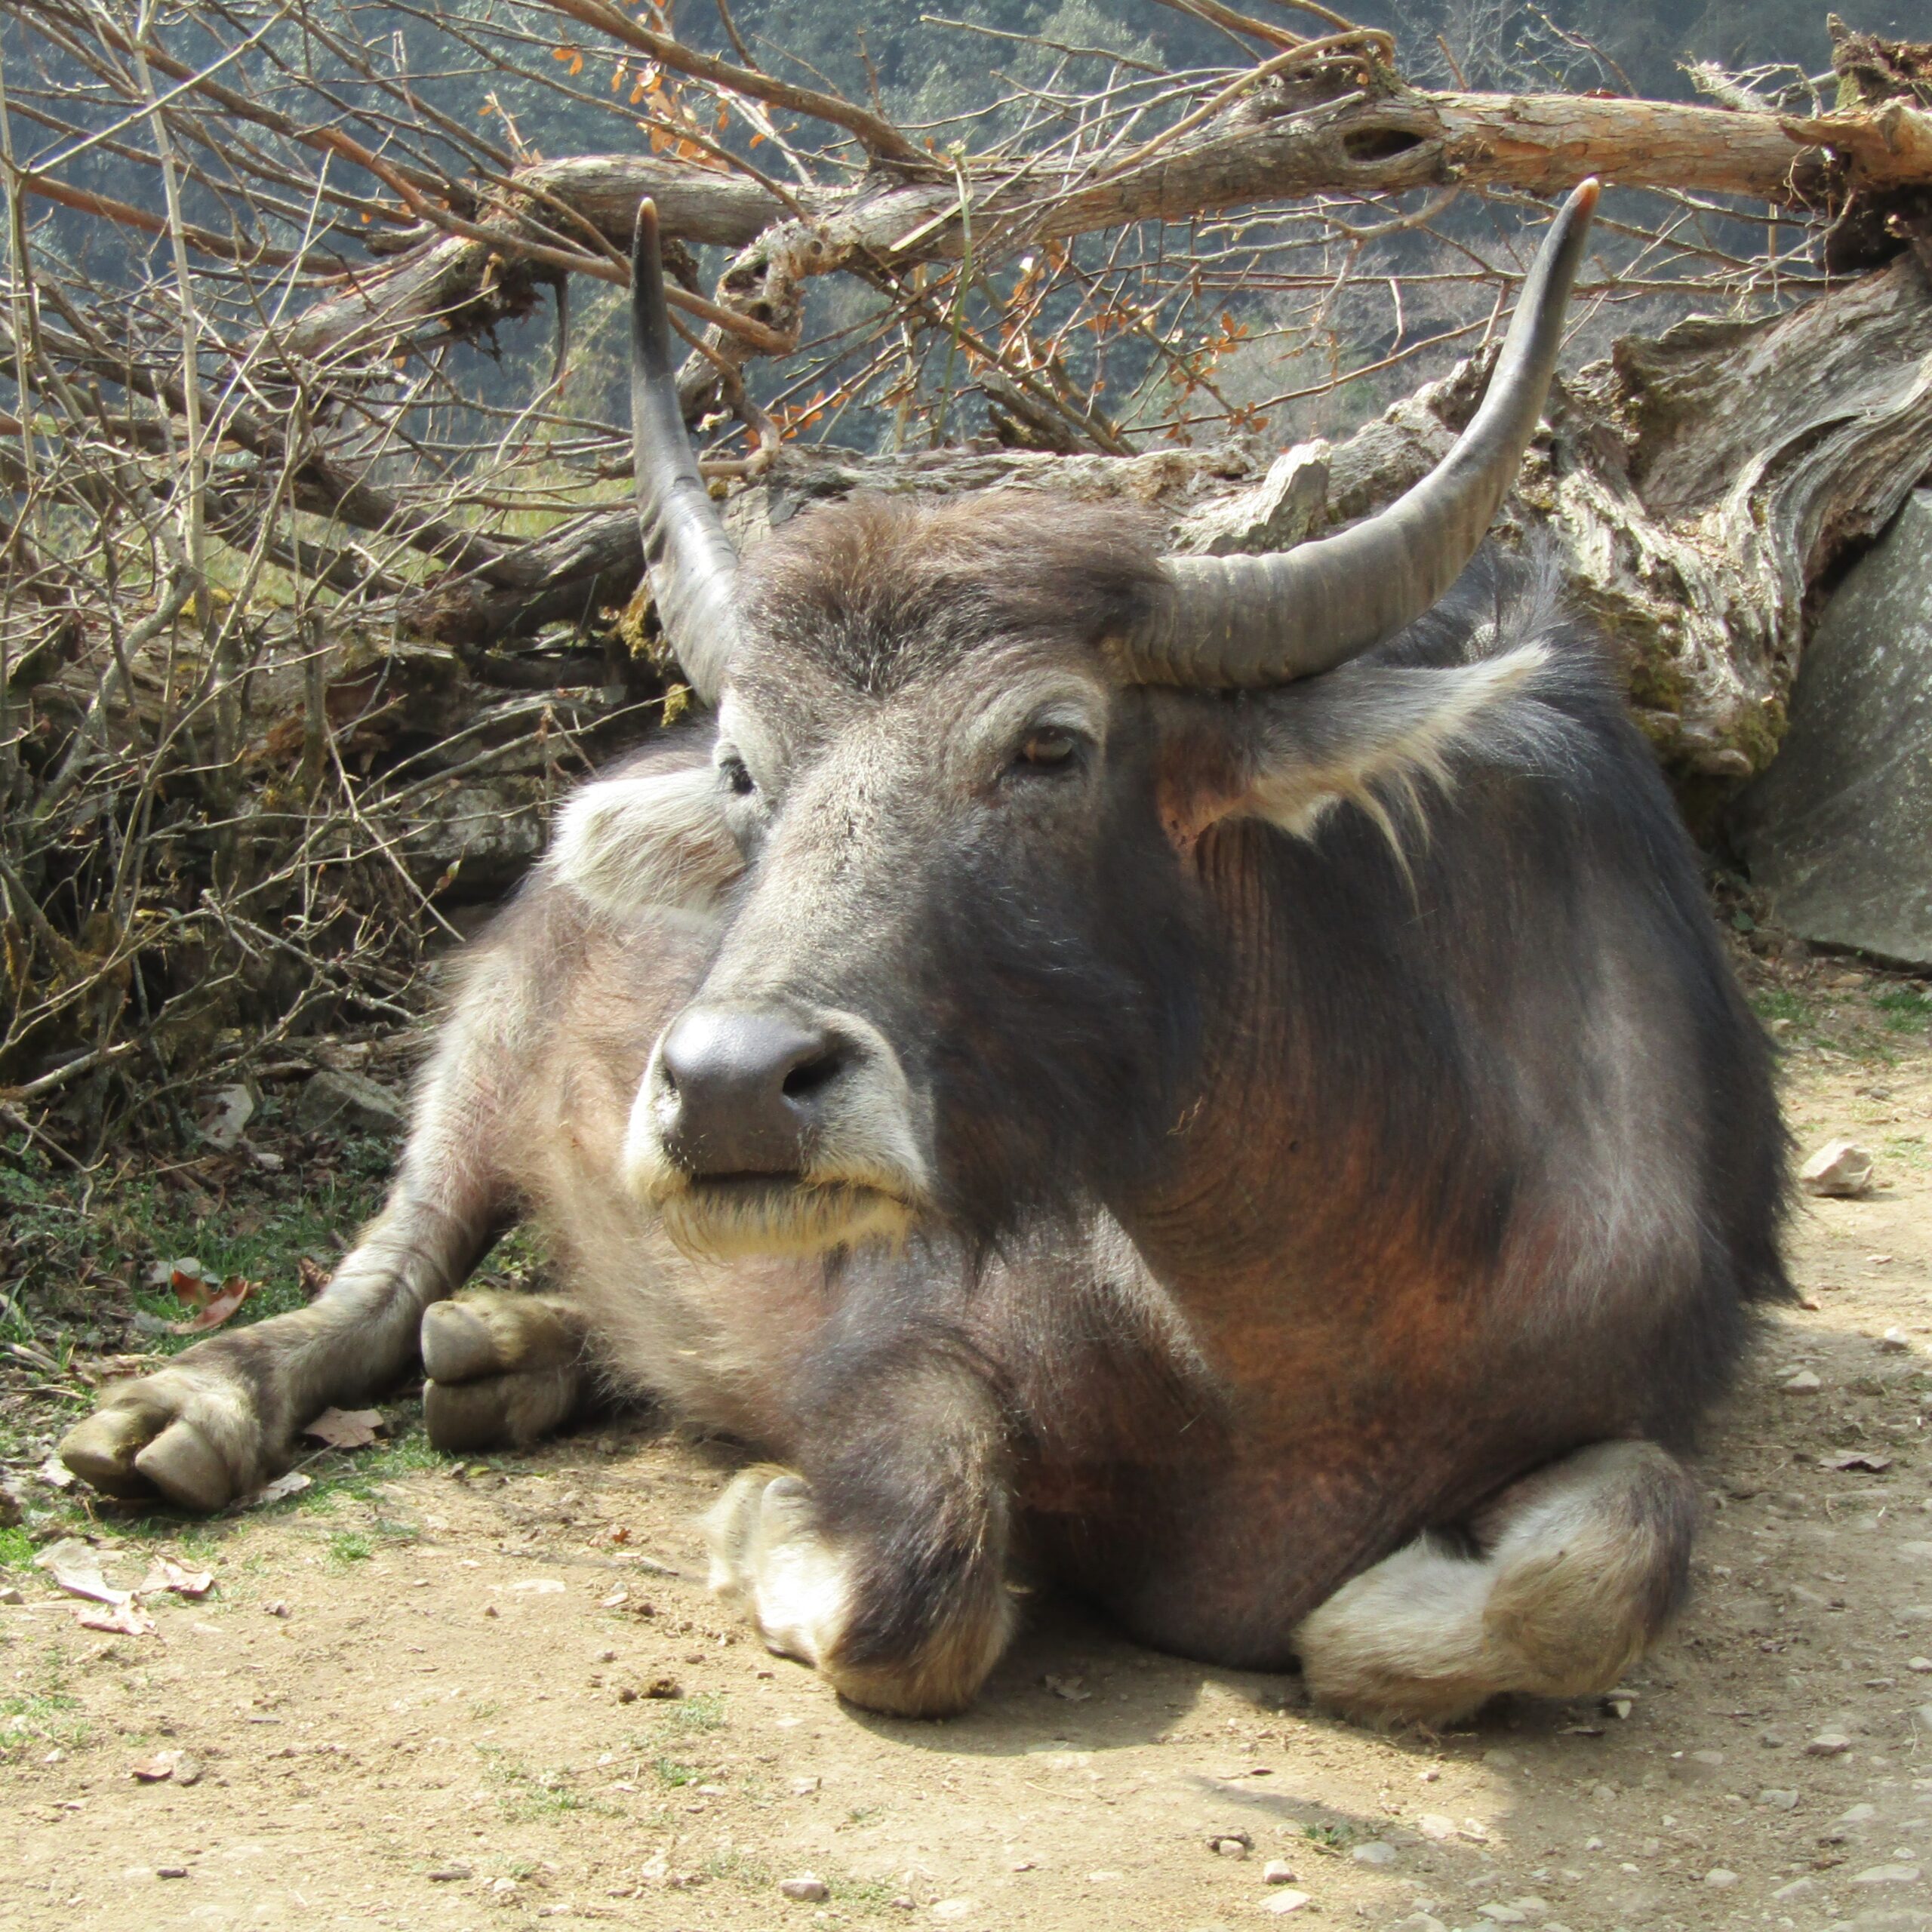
316,577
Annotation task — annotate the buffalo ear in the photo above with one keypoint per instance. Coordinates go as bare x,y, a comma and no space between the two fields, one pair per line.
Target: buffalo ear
1366,733
659,841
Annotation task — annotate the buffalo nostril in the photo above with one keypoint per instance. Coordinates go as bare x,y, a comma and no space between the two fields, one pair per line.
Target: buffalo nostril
809,1076
743,1089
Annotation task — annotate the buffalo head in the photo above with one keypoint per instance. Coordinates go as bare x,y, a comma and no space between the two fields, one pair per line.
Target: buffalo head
965,758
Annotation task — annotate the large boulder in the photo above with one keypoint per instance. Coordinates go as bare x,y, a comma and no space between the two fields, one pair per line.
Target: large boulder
1838,830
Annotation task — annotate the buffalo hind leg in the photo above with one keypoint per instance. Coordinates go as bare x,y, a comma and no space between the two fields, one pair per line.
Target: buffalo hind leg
1578,1567
885,1564
503,1369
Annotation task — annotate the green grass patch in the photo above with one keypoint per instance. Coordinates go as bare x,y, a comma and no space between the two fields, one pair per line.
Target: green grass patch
741,1868
672,1775
528,1795
16,1549
42,1716
703,1710
1906,1009
1773,1004
86,1241
348,1546
1329,1838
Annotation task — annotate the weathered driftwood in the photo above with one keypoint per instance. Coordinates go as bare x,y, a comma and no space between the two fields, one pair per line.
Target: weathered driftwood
1700,488
1278,144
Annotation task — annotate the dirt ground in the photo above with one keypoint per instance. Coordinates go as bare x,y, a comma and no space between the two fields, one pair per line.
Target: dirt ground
444,1696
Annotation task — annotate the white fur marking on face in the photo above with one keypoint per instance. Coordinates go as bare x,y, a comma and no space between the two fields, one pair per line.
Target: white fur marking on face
630,844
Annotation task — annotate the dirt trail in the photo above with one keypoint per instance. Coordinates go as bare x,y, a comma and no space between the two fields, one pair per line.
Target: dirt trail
427,1697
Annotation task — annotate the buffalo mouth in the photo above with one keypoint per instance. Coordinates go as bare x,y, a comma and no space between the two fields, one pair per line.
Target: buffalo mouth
720,1216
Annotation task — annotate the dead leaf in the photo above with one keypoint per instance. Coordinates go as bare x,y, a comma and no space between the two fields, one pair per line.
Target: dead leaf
188,1281
1860,1459
76,1567
1071,1688
291,1484
346,1428
157,1769
234,1292
55,1474
164,1573
125,1619
312,1275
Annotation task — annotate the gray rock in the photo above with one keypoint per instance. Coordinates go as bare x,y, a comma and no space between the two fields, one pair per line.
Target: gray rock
226,1112
1840,1170
1695,1766
348,1100
807,1888
1838,830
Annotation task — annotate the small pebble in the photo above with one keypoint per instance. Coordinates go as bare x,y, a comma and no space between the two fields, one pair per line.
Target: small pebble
1804,1382
1828,1744
1231,1848
1373,1853
447,1875
1717,1876
1278,1872
170,1871
807,1888
1922,1666
1282,1903
274,1607
1779,1801
1895,1341
8,1595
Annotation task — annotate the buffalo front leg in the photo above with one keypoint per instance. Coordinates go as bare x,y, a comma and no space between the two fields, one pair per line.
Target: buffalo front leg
1577,1568
220,1419
503,1369
883,1563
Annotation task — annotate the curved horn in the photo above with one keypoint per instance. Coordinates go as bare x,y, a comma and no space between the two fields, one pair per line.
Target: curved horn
1230,621
689,561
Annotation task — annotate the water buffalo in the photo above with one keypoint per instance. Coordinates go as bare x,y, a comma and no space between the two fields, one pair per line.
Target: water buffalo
1212,1080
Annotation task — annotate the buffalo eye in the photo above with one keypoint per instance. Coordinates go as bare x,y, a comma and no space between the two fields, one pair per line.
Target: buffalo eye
736,775
1048,748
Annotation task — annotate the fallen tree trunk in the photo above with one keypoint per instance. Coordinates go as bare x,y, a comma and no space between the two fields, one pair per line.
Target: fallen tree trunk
1276,146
